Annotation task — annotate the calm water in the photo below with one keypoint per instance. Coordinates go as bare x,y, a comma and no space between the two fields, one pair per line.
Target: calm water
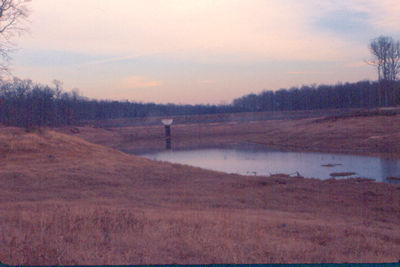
272,162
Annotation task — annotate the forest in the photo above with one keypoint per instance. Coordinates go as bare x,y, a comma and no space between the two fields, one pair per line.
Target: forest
362,94
27,104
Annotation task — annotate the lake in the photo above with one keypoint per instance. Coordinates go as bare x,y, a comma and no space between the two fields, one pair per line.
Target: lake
315,165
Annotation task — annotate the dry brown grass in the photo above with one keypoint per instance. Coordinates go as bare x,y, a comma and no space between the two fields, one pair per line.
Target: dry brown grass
64,200
106,235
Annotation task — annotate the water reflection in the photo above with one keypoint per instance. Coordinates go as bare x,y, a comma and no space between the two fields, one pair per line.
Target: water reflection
317,165
388,168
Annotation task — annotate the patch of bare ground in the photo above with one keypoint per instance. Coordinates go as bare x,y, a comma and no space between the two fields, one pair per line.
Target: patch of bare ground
64,200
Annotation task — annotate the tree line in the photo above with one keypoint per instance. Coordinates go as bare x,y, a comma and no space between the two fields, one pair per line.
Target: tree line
362,94
27,104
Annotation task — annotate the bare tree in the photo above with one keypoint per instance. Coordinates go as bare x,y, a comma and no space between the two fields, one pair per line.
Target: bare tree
386,58
386,53
12,14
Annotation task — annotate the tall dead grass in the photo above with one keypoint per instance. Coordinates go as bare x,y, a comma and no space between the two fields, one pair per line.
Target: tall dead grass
104,235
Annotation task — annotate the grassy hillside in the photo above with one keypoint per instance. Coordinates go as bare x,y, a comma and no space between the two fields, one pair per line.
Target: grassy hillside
64,200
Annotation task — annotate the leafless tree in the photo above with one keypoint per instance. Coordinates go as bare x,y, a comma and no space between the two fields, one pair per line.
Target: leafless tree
386,58
12,15
386,53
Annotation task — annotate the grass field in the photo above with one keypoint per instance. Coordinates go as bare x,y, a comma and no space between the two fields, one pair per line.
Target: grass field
65,200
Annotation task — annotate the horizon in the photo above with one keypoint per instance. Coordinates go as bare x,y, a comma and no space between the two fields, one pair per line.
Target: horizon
199,52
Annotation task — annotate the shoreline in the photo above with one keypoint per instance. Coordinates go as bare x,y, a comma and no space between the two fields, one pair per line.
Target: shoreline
367,136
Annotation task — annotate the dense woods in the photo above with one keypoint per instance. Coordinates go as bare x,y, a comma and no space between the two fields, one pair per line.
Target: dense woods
26,104
363,94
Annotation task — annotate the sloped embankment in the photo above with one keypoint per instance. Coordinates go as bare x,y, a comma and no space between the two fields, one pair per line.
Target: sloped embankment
64,201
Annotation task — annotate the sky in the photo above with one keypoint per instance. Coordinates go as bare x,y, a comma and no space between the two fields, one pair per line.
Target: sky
199,51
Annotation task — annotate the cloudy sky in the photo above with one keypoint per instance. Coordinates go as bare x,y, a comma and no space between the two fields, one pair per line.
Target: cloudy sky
199,51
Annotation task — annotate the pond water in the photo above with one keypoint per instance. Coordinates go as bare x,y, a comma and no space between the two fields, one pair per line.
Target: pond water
316,165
